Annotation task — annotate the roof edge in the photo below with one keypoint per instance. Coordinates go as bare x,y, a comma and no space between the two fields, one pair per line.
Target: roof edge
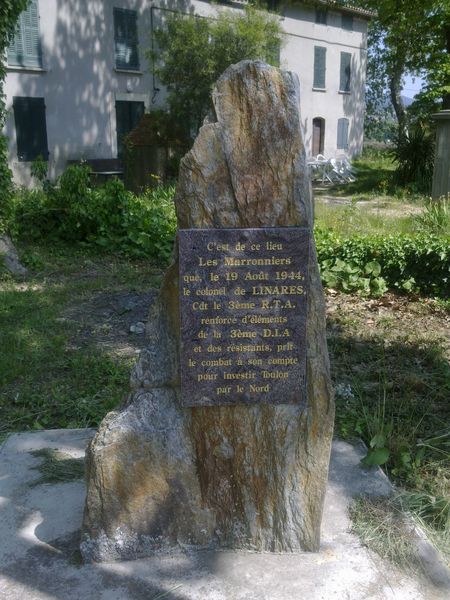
342,7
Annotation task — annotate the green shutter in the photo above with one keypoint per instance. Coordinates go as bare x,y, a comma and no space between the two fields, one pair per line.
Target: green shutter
345,74
25,49
126,39
347,22
321,16
319,67
342,134
31,128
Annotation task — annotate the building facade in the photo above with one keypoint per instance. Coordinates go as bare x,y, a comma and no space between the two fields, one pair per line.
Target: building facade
78,78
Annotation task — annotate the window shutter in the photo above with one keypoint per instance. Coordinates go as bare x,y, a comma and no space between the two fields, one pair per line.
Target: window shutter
319,66
321,16
15,52
31,128
342,134
25,50
126,39
345,74
347,22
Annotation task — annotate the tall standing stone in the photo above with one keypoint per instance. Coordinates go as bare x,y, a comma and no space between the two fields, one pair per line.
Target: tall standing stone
236,476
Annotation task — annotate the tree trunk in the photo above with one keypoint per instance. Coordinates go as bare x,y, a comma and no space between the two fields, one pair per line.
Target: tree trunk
446,96
395,86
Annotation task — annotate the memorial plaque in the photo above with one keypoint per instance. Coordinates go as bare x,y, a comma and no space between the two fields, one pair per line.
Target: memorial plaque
243,298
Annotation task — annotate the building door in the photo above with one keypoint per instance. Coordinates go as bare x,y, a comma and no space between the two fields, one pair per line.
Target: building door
128,115
318,136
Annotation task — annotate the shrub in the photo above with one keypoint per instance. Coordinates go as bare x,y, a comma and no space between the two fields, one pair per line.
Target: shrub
30,216
414,156
419,263
150,223
73,200
436,216
108,215
193,52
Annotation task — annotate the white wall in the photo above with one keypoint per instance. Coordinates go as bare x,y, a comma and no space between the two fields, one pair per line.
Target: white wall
331,104
80,83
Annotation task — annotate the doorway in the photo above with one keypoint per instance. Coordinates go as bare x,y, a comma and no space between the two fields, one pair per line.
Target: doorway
318,137
128,115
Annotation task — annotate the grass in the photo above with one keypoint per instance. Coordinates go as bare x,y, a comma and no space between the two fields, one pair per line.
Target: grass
371,205
390,356
48,379
377,216
374,176
390,367
387,526
383,528
57,467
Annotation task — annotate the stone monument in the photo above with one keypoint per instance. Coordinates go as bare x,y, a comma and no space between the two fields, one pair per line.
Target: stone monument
225,437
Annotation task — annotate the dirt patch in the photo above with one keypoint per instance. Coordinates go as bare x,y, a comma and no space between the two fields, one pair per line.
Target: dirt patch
104,320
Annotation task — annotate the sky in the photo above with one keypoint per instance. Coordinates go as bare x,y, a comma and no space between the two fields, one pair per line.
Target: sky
412,86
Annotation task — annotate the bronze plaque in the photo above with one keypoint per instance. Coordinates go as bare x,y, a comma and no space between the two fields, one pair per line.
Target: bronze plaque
243,297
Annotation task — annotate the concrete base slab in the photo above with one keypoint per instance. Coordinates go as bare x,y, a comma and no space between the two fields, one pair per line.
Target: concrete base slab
39,536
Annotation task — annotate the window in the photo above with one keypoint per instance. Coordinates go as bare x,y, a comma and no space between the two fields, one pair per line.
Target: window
126,39
318,137
25,49
320,55
321,16
128,115
342,134
347,22
31,128
345,73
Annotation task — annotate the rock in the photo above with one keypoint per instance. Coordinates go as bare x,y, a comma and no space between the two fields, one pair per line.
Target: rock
10,257
139,328
160,476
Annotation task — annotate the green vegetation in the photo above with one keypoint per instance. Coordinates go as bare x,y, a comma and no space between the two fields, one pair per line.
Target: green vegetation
390,367
57,467
192,52
373,264
406,36
54,369
414,156
389,354
369,242
108,216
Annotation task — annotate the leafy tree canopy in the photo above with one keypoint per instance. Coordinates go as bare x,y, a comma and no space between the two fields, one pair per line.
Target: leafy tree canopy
408,36
194,51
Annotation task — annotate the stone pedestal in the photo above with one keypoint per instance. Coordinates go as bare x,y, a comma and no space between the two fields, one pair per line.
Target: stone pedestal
441,175
253,477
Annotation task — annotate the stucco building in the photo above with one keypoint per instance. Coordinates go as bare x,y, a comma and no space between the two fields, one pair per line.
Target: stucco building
78,78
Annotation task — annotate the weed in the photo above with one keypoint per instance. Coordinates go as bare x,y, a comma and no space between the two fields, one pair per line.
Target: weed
46,380
57,467
383,529
393,383
387,525
435,218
